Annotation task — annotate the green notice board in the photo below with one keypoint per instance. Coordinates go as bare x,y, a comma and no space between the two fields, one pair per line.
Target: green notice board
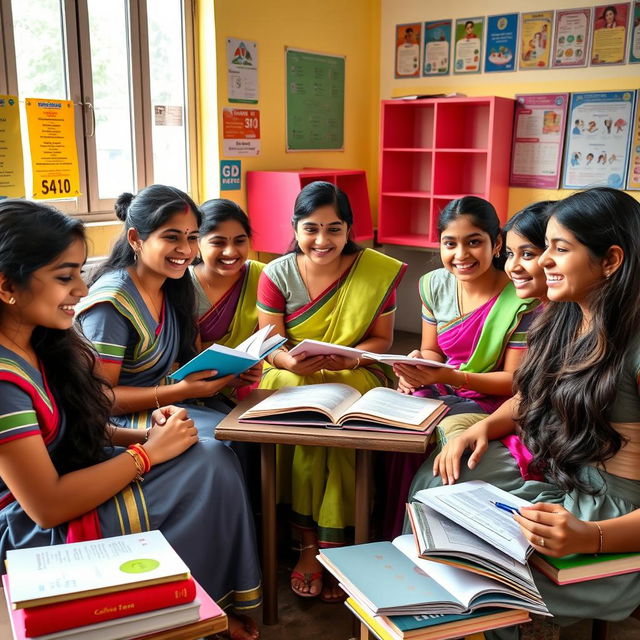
315,100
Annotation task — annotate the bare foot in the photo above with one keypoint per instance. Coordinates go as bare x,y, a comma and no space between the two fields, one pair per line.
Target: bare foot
331,591
242,627
306,577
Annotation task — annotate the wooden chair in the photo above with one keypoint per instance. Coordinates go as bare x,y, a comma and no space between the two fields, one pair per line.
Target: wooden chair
600,629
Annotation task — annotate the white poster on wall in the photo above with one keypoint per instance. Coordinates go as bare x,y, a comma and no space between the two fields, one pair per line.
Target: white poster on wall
242,70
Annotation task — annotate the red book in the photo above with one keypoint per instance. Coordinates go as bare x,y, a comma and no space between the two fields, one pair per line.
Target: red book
49,618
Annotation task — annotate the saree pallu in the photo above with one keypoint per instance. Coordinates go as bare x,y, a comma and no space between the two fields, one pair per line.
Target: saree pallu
197,500
321,479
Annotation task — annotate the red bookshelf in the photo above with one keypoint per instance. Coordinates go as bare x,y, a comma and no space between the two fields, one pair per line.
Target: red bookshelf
271,196
434,151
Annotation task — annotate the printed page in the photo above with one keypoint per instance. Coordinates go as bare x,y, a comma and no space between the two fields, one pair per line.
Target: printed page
253,344
390,358
470,505
394,406
318,348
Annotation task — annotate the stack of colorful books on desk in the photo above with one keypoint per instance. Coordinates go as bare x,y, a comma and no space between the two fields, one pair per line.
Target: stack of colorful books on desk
116,588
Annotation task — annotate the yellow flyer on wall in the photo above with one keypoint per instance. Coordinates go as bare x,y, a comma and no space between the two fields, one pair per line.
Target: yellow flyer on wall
535,39
11,167
54,155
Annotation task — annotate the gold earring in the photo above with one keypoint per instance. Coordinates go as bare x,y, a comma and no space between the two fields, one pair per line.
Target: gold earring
12,300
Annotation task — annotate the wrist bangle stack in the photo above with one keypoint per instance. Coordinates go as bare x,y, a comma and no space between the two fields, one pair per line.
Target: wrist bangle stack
601,540
155,395
140,459
465,383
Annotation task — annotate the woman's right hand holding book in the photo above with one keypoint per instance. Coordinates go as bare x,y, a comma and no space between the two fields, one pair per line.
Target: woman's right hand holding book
168,440
200,385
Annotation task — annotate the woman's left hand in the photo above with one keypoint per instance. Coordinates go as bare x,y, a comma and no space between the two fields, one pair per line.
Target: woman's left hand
420,375
556,532
249,377
338,363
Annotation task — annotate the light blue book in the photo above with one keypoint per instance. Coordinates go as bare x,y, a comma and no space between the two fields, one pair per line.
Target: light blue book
227,360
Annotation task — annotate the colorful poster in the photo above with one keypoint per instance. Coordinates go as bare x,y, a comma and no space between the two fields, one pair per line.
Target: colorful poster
240,132
609,38
633,179
502,41
54,154
468,48
535,39
437,48
11,162
408,38
598,134
242,70
571,37
230,175
538,135
634,48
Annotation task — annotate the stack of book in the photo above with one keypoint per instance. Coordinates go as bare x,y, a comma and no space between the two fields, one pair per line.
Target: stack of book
109,589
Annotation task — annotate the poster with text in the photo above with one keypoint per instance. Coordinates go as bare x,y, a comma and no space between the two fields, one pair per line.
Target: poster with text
11,167
609,34
240,132
633,178
634,47
54,155
408,38
468,45
571,37
242,70
437,48
535,39
598,135
538,135
502,41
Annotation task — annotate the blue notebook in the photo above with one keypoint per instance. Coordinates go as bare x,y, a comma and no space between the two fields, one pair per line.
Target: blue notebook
226,360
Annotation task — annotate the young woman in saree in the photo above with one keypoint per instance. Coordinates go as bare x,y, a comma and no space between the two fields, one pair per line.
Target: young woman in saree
577,408
64,474
326,289
473,319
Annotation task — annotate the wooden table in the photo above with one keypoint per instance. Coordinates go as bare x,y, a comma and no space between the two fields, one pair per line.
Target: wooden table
364,442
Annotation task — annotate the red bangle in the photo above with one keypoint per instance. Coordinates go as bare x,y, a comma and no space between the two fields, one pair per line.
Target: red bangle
139,449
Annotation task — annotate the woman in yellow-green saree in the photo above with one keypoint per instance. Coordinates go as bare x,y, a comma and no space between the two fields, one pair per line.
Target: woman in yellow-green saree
327,288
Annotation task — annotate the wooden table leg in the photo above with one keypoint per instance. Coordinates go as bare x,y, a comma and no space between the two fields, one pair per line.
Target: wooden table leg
363,494
269,547
364,631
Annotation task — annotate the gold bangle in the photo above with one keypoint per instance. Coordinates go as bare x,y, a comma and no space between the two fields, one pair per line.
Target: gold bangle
137,460
601,541
276,353
155,395
357,364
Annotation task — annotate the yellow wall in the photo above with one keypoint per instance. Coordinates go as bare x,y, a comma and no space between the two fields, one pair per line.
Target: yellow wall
505,84
342,27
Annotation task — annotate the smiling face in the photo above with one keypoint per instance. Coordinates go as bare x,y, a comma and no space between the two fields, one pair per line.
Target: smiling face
522,267
466,250
224,251
572,273
49,298
322,236
171,248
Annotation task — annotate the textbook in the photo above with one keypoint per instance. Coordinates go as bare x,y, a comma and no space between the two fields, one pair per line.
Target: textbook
579,567
226,360
435,626
318,348
341,406
94,609
44,575
390,579
202,615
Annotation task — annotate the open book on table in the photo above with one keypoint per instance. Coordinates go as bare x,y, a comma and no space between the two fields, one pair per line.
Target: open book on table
390,579
339,405
226,360
318,348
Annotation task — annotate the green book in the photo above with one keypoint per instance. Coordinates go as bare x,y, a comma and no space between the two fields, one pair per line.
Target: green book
579,567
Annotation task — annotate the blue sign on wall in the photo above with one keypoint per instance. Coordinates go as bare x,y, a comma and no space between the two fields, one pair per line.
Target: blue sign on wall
230,172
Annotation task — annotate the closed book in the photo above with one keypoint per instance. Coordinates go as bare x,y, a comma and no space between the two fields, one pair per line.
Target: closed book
580,567
76,613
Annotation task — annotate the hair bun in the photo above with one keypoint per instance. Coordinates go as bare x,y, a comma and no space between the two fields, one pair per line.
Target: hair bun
122,205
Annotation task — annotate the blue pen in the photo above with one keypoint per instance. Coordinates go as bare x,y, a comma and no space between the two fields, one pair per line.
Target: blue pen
505,507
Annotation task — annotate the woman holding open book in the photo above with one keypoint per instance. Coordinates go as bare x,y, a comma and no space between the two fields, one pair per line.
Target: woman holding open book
577,409
329,289
64,475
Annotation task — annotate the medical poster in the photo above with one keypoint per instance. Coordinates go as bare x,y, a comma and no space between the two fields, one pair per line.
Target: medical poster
502,41
54,155
598,135
408,38
240,132
437,48
242,70
11,167
468,48
609,34
634,48
535,39
571,38
633,178
538,136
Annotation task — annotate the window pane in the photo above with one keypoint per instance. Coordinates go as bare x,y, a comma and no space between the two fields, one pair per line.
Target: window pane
168,89
110,55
